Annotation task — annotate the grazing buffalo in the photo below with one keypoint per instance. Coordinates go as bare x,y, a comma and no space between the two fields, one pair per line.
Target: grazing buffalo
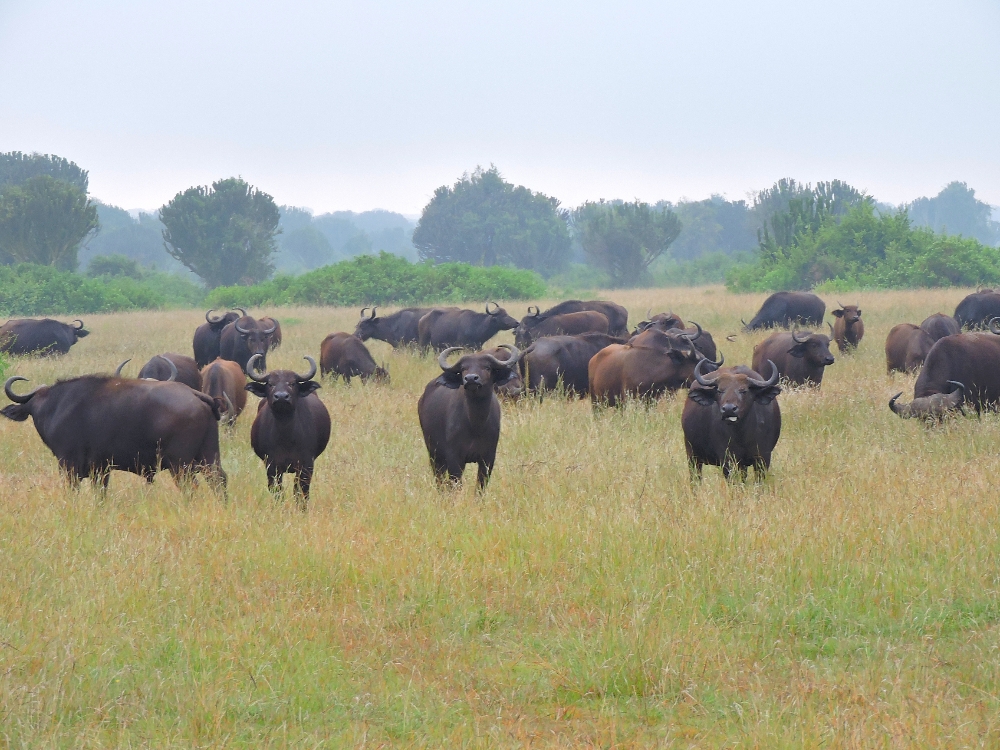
460,414
940,325
906,347
969,358
565,358
225,382
566,324
292,426
245,337
783,309
800,359
172,367
849,328
616,314
398,329
933,408
96,423
731,419
26,336
650,364
208,334
513,389
442,329
978,309
345,355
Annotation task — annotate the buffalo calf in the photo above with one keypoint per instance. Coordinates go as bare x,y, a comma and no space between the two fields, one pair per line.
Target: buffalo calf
906,347
224,381
345,355
849,328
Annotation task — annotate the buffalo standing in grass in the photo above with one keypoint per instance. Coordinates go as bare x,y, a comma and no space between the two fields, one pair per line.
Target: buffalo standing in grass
784,309
460,414
801,359
292,426
969,358
649,365
96,423
616,314
566,324
345,355
245,337
208,335
225,381
849,328
978,309
906,347
933,408
398,329
563,358
27,336
940,325
732,419
442,329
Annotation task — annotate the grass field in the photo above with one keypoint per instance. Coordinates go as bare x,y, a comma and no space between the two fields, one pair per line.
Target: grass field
592,597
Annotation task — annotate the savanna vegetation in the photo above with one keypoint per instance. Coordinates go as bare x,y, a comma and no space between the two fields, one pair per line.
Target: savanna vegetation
593,596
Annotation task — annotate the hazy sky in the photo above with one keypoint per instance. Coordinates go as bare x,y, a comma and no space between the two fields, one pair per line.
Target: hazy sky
365,105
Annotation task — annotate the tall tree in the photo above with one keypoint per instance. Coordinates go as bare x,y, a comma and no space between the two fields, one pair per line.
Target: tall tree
223,233
622,239
17,168
43,220
486,221
956,210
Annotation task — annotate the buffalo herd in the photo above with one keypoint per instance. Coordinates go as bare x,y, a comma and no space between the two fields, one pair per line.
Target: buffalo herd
167,416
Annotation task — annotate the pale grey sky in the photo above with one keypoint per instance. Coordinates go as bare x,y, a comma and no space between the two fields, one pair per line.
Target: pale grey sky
359,105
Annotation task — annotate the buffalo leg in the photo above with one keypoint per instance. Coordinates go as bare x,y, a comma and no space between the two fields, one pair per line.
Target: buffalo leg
303,478
485,470
274,477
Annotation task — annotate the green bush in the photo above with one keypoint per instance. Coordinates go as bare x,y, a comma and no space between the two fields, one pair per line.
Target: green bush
382,280
710,268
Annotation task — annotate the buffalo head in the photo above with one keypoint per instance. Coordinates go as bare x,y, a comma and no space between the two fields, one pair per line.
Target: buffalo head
478,373
281,388
813,347
504,321
78,330
733,392
932,408
367,326
256,334
850,313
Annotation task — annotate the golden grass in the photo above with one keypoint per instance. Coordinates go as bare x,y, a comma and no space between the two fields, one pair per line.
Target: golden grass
592,597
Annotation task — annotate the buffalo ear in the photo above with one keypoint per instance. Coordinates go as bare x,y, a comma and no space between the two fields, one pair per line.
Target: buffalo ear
450,379
309,386
799,350
17,412
837,313
676,356
764,396
502,375
703,396
257,389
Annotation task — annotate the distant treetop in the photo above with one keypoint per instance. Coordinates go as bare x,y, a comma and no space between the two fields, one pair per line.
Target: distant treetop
17,168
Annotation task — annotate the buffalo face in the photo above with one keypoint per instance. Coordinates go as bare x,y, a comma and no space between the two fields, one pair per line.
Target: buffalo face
256,335
281,388
734,393
850,313
504,321
478,373
814,348
367,326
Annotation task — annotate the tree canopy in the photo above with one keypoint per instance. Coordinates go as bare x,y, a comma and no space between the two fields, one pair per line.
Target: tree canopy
486,221
17,168
956,210
224,233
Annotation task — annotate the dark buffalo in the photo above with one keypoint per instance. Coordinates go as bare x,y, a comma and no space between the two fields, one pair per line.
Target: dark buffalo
276,336
565,358
801,359
208,334
292,426
940,325
245,337
649,365
173,367
783,309
662,321
732,419
566,324
906,347
849,328
27,336
224,381
96,423
460,414
513,388
969,358
345,355
398,329
442,329
933,408
978,309
616,314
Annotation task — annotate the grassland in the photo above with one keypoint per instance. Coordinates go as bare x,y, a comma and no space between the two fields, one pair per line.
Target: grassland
592,597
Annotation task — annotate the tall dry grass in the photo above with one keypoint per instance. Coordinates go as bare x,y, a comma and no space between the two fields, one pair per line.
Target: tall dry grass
593,596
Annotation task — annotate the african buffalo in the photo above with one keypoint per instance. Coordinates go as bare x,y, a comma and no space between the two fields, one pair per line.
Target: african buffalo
276,335
906,347
566,324
978,309
398,329
96,423
616,314
442,329
460,414
731,419
849,328
940,325
513,388
782,309
552,358
345,355
662,321
800,359
245,337
224,381
27,336
172,367
292,426
650,364
208,334
969,358
933,408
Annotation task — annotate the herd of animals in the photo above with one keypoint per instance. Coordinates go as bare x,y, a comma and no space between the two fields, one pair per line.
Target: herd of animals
168,417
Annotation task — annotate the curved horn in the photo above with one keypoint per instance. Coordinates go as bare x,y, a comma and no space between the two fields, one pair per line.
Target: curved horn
511,362
118,372
795,336
230,409
443,356
770,381
312,370
210,319
841,304
702,380
495,308
696,336
995,326
537,311
743,322
13,396
831,327
373,312
272,329
236,324
363,312
649,313
961,387
250,369
79,327
892,404
173,369
243,313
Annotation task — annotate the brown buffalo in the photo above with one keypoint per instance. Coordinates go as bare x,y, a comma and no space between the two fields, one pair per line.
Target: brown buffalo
565,359
972,359
906,347
933,408
662,321
940,325
224,381
566,324
345,355
801,359
208,334
650,364
849,328
616,314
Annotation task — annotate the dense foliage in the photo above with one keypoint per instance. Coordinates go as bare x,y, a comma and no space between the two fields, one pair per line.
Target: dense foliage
17,168
486,221
43,220
224,233
956,210
713,226
385,279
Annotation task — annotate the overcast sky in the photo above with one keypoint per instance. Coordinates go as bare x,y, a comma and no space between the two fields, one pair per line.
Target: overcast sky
364,105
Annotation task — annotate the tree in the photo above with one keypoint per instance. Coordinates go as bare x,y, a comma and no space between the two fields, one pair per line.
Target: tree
223,233
622,239
486,221
43,220
956,210
17,168
712,226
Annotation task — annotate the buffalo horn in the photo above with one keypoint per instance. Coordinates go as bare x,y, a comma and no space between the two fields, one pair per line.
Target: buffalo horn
701,378
312,370
230,409
173,369
495,308
118,372
373,312
536,312
250,369
892,403
841,304
363,312
795,337
13,396
770,381
961,387
244,331
510,362
210,319
79,327
995,325
696,336
443,357
272,329
831,327
243,313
